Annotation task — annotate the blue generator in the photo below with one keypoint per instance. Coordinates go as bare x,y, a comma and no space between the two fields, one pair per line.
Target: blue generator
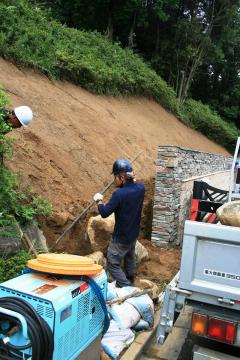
60,312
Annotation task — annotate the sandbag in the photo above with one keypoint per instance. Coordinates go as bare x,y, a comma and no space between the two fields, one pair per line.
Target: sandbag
116,339
114,292
144,305
126,290
229,213
141,325
125,314
111,291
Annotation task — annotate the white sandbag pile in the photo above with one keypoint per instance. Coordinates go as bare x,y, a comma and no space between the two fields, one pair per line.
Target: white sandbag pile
135,313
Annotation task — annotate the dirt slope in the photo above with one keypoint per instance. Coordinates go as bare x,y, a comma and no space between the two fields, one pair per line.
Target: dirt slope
67,152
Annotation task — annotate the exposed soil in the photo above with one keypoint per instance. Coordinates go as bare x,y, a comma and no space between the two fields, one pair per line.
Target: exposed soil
67,152
162,265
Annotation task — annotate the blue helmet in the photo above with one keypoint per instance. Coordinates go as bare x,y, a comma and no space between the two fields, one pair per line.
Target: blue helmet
121,166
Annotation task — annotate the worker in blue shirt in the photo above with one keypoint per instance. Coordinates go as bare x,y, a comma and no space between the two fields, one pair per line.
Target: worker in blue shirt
126,203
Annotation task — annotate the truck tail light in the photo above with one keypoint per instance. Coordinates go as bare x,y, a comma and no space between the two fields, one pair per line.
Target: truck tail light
221,330
214,328
199,324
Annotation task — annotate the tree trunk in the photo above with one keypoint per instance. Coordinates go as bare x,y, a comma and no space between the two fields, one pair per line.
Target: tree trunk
157,38
197,60
131,35
189,79
109,30
179,94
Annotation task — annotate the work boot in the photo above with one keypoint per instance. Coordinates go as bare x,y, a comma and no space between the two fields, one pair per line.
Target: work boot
109,277
118,285
121,285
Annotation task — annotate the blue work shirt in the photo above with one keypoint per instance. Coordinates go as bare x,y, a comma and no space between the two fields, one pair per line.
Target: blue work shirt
126,203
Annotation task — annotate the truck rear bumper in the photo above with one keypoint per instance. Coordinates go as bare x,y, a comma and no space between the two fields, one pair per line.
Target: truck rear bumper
200,353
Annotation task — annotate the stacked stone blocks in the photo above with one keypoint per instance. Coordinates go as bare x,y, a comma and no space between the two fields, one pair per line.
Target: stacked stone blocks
175,164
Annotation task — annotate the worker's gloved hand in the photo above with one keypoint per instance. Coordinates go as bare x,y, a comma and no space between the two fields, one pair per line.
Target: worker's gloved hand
97,197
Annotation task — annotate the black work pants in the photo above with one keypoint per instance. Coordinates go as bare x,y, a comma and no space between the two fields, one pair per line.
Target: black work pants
116,254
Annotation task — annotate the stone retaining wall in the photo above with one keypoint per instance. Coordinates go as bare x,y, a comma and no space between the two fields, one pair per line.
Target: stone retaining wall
177,168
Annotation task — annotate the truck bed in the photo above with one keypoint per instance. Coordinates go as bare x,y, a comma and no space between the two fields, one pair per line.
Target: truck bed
210,264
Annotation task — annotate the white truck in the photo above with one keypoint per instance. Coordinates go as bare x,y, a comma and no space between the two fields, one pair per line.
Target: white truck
208,281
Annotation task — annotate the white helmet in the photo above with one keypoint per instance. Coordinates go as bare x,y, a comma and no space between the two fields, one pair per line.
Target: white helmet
24,115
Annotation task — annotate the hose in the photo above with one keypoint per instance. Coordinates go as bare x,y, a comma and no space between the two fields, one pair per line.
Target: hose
39,332
101,300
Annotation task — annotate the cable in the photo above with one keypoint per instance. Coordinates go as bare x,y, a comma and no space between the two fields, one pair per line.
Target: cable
39,332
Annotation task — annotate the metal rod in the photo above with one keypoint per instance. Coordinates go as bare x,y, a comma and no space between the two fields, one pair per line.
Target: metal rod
135,293
87,208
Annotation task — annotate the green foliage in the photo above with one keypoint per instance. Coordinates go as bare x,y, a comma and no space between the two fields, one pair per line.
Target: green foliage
10,232
5,143
4,101
86,58
217,81
16,204
13,265
208,122
31,38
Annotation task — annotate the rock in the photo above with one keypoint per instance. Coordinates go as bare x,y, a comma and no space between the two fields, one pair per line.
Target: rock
98,258
62,218
141,252
10,240
100,231
144,284
229,213
36,237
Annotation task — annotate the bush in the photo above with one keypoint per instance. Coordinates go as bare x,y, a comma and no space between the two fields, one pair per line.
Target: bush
13,266
208,122
16,204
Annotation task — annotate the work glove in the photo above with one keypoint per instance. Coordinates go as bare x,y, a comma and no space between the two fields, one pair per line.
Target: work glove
97,197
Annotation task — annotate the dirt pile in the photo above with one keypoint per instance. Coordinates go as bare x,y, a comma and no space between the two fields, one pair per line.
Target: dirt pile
162,265
67,153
